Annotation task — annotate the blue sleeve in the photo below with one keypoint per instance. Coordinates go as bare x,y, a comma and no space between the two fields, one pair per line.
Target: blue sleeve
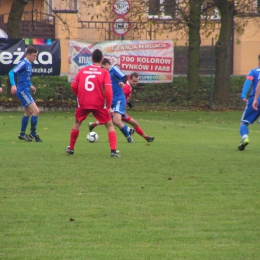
11,78
119,75
89,63
124,79
246,87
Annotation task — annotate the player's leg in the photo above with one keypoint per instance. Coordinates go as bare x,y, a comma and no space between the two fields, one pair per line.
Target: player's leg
126,119
117,120
104,117
26,100
91,125
112,139
119,111
34,110
244,131
80,116
249,116
137,128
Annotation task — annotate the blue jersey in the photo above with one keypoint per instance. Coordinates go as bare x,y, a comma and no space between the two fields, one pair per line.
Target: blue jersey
251,79
250,115
24,71
116,76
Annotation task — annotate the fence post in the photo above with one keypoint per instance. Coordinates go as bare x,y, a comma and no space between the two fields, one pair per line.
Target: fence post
211,72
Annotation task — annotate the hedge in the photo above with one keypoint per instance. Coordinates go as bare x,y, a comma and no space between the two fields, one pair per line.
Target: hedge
55,91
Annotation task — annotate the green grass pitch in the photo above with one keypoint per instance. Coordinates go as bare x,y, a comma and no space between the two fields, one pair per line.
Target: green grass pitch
189,195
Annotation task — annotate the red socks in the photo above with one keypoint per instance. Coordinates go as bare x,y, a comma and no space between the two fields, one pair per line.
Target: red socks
73,138
140,131
112,140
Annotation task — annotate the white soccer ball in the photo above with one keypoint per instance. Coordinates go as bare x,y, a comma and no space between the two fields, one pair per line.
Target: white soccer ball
92,137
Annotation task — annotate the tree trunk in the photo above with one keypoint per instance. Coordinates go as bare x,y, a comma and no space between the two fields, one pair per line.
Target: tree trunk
223,55
194,50
15,17
13,26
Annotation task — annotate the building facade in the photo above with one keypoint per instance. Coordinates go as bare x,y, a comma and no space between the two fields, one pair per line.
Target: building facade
87,20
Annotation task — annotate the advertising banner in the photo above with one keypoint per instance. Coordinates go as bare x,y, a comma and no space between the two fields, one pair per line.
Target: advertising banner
152,60
48,61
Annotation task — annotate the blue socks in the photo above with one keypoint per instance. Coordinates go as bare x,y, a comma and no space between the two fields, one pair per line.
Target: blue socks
243,129
124,130
34,121
25,121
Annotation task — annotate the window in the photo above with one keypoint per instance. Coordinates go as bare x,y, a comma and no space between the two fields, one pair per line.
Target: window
209,11
73,4
48,7
162,9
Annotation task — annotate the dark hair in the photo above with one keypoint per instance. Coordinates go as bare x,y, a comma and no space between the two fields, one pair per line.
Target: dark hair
97,56
259,56
134,75
31,49
105,61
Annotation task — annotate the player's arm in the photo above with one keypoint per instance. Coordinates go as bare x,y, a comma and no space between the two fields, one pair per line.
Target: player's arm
127,93
122,81
108,92
246,87
74,85
120,76
257,94
33,88
12,81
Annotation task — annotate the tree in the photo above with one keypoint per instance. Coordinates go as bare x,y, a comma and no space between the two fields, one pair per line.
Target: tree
185,16
223,53
193,24
15,17
13,27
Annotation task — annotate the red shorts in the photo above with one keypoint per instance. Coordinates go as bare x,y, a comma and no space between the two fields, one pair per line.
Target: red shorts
126,118
102,115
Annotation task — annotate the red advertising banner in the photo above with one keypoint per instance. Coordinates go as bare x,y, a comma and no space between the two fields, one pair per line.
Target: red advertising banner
152,60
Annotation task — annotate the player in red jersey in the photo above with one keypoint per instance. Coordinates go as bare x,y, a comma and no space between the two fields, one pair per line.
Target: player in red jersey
127,89
93,89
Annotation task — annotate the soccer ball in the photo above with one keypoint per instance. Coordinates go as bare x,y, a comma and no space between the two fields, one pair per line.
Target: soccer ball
92,137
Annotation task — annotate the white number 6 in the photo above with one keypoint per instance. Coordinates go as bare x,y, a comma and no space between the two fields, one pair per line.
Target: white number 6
89,86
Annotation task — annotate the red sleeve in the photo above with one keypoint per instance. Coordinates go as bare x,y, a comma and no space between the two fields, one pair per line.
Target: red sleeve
74,85
108,90
108,95
127,91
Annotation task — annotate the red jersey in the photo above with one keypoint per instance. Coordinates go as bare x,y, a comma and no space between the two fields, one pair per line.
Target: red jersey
88,86
127,89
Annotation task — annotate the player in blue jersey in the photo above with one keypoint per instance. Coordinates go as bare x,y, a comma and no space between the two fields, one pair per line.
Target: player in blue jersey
256,101
249,115
22,89
118,79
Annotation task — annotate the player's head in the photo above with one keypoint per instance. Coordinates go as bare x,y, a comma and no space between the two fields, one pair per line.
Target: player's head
97,56
133,79
31,53
106,64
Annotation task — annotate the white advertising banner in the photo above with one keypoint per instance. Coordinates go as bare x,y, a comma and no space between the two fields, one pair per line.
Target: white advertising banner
152,60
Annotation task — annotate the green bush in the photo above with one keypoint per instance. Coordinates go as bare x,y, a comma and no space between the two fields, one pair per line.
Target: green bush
56,91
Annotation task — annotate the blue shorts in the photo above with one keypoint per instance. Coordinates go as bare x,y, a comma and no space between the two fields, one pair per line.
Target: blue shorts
250,115
119,107
25,98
